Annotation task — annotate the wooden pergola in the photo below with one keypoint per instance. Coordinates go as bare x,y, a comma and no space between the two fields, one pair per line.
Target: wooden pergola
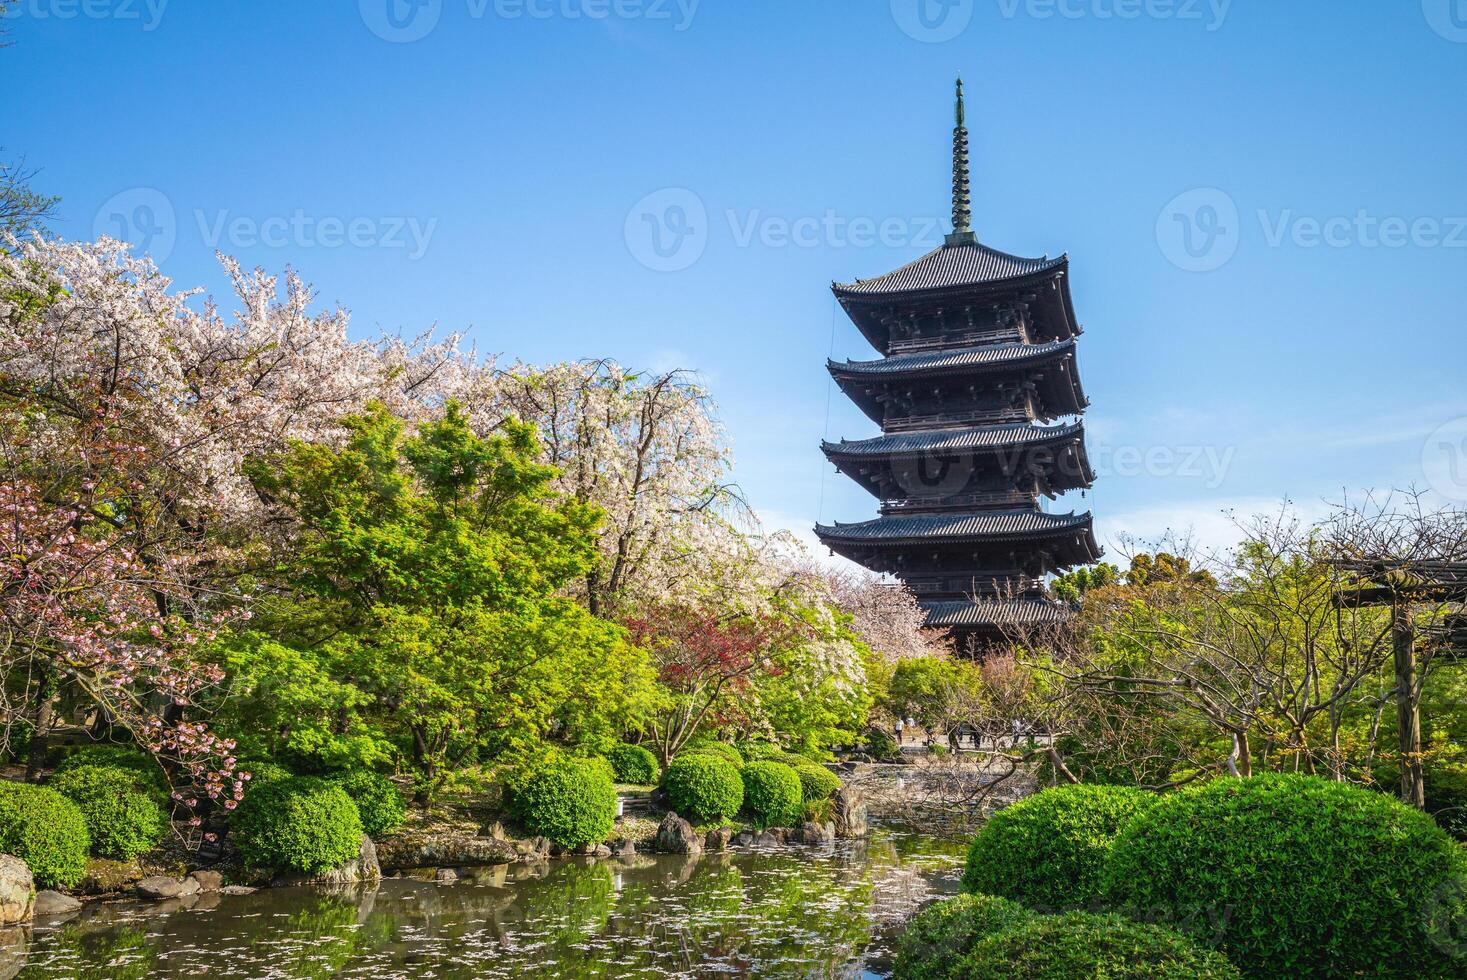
1403,585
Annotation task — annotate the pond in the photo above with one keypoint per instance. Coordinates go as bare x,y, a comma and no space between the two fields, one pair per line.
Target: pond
801,912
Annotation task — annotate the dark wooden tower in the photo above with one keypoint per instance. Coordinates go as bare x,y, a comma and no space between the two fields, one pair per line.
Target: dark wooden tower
979,401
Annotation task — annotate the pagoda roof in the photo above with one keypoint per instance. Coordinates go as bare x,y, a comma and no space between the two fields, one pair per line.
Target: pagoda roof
1061,391
950,441
995,613
989,525
961,359
951,267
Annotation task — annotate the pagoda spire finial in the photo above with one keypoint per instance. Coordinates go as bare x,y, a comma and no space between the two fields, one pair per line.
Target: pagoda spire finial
962,198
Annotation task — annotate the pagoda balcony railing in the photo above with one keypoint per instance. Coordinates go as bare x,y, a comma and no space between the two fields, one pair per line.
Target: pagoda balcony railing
1000,335
1014,499
993,586
937,420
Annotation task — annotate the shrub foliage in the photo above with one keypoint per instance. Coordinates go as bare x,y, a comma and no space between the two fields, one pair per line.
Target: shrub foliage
1082,944
121,757
1295,876
939,938
633,764
817,783
721,749
123,818
773,794
704,787
46,831
1049,851
379,802
302,824
570,801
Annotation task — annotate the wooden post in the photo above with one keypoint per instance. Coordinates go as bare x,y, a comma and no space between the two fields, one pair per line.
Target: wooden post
1408,704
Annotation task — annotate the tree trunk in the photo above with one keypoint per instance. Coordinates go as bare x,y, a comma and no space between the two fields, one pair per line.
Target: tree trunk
41,735
1408,705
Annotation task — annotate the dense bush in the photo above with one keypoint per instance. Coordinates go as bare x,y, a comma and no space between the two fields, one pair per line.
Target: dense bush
570,801
1048,851
817,783
263,772
379,803
754,751
1294,876
46,831
1081,944
772,794
300,824
121,757
633,764
703,787
123,817
939,937
720,749
882,746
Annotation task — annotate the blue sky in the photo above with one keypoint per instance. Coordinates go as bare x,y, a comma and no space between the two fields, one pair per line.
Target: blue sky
1264,203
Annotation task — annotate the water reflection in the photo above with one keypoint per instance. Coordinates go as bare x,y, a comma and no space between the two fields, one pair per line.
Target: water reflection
775,914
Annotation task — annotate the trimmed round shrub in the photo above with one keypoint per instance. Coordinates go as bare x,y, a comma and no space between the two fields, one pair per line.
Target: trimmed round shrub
817,783
633,764
1049,851
703,787
46,831
1295,876
1081,944
121,757
379,803
882,746
123,818
721,749
570,801
772,794
263,772
938,938
754,751
303,823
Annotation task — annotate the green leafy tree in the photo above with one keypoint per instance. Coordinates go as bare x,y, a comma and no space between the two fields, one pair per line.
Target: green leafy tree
422,610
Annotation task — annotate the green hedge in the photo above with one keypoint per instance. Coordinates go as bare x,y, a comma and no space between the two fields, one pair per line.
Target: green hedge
379,802
633,764
121,757
1296,875
1081,944
1049,851
817,783
772,794
703,787
123,817
570,801
720,749
754,751
939,938
881,745
262,772
302,823
46,831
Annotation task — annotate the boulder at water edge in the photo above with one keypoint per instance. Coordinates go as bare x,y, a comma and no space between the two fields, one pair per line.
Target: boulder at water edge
17,890
852,815
676,836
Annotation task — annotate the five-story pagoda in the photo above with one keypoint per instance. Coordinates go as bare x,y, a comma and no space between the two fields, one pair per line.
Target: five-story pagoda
978,399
